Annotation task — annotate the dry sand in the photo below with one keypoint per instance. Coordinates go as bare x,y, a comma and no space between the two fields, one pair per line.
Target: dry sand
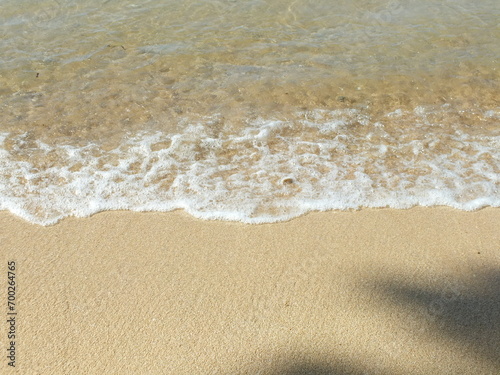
368,292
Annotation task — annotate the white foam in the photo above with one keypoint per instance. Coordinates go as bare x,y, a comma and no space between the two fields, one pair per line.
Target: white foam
246,177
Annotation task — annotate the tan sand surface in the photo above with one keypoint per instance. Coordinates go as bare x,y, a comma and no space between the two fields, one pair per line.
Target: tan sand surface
367,292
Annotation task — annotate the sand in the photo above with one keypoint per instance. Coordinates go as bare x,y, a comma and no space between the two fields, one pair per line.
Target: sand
367,292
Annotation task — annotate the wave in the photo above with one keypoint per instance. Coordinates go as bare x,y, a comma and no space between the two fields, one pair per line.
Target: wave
267,171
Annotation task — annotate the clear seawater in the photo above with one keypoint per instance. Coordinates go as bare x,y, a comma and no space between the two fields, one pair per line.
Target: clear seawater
253,111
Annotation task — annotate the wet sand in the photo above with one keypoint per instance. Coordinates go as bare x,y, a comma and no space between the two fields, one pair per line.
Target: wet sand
366,292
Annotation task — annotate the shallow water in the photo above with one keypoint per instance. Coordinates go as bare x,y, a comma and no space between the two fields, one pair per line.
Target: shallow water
255,111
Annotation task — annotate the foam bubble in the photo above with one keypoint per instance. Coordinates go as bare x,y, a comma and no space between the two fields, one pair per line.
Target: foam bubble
271,170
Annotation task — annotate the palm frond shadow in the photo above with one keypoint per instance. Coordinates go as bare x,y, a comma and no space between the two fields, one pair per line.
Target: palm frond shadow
468,314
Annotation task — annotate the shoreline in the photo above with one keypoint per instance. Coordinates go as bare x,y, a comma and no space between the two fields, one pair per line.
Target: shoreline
374,291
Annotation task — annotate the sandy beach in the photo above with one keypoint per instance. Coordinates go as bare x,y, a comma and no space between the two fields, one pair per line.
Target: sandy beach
253,112
368,292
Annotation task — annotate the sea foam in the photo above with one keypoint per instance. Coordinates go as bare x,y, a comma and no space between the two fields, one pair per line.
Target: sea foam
270,170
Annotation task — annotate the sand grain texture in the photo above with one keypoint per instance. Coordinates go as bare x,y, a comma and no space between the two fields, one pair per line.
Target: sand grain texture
368,292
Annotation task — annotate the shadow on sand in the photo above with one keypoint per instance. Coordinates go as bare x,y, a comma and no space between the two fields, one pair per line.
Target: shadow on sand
465,311
305,366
